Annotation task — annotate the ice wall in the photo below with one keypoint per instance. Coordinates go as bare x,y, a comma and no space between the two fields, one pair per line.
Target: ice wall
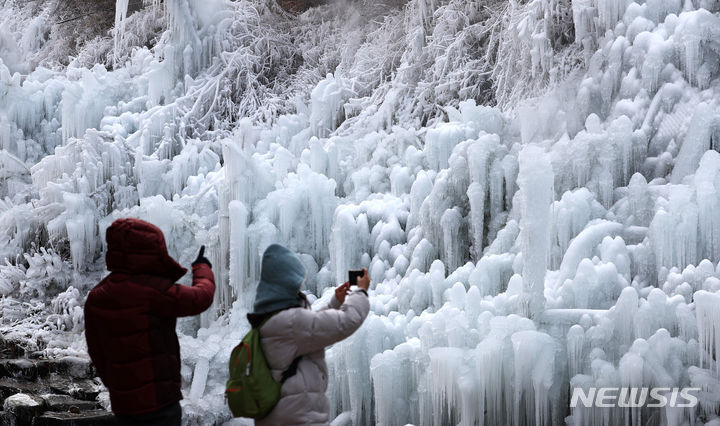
564,238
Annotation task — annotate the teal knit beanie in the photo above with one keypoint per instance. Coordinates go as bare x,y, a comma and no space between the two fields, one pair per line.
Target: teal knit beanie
281,277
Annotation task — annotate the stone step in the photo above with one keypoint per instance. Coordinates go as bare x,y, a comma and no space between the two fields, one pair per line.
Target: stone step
60,403
10,386
89,418
22,409
83,389
80,389
32,369
38,391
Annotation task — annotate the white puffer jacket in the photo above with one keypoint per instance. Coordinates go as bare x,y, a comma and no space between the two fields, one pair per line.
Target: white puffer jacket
302,332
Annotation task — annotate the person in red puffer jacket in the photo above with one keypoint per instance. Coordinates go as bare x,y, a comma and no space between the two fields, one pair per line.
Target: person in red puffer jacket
130,322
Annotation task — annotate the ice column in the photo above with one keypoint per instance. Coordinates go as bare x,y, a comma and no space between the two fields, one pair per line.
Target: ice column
708,323
451,222
348,241
478,158
491,374
535,180
708,203
674,230
200,375
584,20
238,215
575,342
443,381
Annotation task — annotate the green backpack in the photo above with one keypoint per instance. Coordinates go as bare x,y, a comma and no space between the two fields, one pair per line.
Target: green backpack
251,390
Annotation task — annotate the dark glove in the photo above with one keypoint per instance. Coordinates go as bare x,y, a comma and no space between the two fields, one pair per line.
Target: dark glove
201,258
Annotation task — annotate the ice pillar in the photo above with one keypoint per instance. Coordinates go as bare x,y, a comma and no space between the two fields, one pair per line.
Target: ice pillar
535,180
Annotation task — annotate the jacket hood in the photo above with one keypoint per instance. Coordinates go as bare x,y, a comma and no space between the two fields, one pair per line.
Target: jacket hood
281,277
137,247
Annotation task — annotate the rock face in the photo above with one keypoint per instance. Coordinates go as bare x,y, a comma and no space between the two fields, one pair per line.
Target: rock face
47,392
23,407
299,6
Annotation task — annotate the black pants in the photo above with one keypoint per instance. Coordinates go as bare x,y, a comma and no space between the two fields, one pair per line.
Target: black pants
168,416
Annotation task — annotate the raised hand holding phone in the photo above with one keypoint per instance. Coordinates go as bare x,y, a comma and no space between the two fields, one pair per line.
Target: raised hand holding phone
361,278
341,291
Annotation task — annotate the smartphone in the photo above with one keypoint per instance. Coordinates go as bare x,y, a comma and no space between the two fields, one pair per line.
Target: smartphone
353,275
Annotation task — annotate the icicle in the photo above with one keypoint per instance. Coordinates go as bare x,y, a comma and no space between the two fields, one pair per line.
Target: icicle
510,171
583,20
421,188
489,358
496,193
575,350
674,236
327,100
440,141
708,325
451,222
238,271
534,354
708,201
443,383
610,12
478,157
121,10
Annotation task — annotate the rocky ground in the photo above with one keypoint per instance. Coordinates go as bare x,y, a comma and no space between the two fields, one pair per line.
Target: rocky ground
40,391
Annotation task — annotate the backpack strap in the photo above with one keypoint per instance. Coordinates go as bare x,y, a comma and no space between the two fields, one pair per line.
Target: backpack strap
257,321
291,370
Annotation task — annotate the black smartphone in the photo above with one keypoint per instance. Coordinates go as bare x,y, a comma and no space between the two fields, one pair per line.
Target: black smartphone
353,275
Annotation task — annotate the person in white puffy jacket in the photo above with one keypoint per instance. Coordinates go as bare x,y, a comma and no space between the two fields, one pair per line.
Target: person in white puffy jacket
294,337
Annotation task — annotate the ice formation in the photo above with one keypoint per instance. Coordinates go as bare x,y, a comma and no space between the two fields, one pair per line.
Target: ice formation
532,186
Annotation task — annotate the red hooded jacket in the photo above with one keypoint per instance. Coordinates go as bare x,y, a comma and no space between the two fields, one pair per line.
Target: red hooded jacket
130,317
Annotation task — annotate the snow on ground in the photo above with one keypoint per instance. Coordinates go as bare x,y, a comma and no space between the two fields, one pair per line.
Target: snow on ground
533,186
